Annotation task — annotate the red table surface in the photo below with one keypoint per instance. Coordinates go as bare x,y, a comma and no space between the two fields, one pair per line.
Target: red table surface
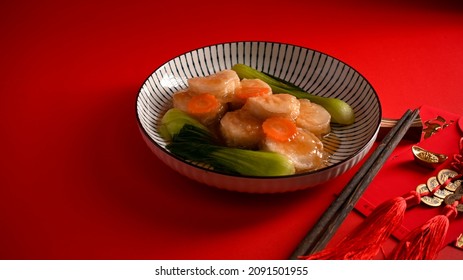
78,182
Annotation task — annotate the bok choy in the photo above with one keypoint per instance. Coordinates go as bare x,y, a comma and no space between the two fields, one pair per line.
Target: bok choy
340,111
192,141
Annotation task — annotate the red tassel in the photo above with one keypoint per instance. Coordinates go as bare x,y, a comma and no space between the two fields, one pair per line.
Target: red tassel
365,241
425,242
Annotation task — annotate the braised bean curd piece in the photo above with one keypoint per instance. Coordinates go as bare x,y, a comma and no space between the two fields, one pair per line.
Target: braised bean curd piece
241,129
205,107
314,118
305,150
279,129
250,88
275,105
221,84
180,100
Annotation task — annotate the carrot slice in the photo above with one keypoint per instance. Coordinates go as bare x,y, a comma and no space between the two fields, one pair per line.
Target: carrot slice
246,92
279,128
203,104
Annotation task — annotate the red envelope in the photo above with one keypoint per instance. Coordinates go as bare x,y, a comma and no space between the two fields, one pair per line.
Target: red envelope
401,174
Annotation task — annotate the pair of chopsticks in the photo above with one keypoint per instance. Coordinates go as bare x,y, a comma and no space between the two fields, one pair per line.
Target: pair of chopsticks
333,217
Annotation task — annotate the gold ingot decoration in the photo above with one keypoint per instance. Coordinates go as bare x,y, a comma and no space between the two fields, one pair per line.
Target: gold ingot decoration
459,242
427,158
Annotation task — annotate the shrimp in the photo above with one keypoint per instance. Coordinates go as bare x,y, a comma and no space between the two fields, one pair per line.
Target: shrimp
314,118
249,88
221,84
241,129
305,150
274,105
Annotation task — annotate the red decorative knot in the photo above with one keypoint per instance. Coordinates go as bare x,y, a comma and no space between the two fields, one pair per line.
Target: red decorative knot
413,198
451,211
457,162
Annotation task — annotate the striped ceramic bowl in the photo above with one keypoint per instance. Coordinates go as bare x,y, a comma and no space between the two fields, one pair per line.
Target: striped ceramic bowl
315,72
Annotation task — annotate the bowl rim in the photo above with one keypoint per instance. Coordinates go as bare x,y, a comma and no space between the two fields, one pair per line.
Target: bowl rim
302,174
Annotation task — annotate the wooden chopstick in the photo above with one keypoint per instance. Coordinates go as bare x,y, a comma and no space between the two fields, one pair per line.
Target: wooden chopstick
330,221
414,133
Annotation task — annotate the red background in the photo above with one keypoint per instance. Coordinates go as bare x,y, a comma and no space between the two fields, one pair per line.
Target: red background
78,182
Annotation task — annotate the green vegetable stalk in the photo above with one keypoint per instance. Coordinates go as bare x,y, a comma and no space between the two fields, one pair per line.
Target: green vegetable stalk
340,111
174,120
191,140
